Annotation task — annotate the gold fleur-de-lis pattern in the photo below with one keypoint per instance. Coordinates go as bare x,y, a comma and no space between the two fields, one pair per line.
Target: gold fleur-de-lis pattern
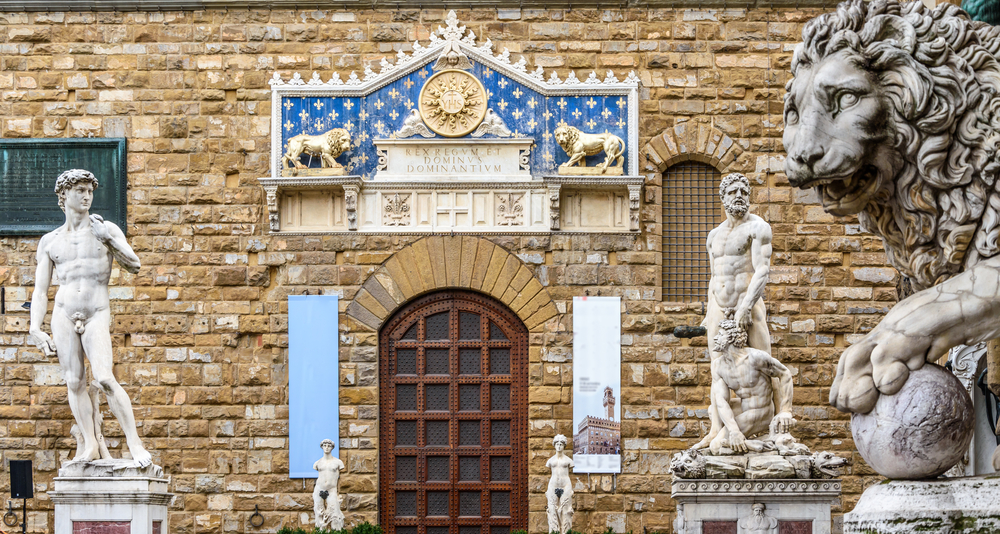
526,112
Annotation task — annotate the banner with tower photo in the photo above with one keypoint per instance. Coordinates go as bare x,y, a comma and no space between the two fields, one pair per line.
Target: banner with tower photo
597,384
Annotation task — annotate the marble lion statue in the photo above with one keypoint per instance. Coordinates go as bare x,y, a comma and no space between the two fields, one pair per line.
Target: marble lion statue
328,145
578,145
893,114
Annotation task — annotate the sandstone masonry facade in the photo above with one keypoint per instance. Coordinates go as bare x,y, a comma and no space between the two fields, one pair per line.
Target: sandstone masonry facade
201,332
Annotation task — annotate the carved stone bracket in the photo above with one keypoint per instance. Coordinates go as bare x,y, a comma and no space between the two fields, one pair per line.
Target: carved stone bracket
272,208
351,205
525,158
383,159
633,206
554,192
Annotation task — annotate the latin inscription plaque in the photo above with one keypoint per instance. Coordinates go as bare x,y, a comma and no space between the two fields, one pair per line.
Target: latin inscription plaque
28,172
484,160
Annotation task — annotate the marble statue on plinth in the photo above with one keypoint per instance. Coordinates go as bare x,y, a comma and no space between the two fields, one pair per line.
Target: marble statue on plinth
739,252
917,163
892,115
578,145
560,491
326,496
81,253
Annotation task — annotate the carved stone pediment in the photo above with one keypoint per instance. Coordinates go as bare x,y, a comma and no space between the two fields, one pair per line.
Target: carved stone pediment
453,112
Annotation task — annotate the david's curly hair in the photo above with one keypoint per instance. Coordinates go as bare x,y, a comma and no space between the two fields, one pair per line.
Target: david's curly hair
68,179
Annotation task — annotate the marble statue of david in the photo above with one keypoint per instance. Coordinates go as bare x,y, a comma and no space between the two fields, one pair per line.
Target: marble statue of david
82,252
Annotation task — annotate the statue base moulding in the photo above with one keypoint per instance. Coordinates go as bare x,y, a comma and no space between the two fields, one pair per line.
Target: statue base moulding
709,506
315,171
590,171
110,497
964,505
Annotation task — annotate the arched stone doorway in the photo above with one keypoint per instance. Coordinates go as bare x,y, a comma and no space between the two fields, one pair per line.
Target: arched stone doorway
453,388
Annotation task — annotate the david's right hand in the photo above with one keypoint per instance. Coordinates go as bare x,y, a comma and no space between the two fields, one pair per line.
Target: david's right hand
44,342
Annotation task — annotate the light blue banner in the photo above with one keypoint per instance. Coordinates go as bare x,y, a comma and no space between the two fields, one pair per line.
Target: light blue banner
313,380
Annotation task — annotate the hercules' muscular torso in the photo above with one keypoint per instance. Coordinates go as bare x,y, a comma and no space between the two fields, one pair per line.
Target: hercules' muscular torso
732,259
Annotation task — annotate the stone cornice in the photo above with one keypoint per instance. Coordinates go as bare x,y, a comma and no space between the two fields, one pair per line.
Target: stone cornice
263,5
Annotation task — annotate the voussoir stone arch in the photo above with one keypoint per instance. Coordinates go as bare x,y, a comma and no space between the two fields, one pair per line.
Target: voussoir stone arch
692,141
449,262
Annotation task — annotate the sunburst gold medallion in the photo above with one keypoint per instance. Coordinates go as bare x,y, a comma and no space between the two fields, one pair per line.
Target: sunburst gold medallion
452,103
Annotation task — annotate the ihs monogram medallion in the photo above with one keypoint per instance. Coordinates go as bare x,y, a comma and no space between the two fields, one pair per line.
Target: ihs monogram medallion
453,103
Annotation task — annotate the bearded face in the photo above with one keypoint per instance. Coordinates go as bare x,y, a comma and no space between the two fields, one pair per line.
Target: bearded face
837,124
736,199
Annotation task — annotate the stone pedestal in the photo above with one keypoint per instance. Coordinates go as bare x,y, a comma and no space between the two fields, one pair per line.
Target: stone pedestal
708,506
110,497
966,505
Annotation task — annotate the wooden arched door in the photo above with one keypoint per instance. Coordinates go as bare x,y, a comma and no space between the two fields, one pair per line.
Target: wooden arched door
453,375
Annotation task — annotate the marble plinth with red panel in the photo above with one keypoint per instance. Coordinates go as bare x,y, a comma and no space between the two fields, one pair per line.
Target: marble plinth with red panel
110,497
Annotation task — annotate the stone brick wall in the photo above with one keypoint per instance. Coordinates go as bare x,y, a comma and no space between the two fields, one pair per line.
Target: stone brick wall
200,332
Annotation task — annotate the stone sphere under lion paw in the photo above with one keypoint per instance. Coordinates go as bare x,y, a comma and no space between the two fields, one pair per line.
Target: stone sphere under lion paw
921,431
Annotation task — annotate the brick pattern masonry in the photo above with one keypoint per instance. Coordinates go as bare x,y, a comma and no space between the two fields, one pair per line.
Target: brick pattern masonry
201,332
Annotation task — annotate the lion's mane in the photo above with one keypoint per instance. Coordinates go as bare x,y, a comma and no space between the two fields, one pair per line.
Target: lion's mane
573,135
940,212
337,138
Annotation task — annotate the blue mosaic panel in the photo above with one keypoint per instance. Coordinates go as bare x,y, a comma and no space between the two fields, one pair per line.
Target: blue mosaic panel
526,112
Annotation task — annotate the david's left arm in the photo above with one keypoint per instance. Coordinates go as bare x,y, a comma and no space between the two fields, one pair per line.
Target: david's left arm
112,236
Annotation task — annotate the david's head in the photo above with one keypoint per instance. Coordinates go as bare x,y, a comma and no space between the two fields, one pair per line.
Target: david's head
75,188
327,445
735,194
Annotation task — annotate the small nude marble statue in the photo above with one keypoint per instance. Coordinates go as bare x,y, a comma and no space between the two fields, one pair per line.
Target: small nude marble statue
326,498
82,252
560,491
761,406
739,254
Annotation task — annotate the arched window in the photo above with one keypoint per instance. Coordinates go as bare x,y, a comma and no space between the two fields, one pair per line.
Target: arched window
691,209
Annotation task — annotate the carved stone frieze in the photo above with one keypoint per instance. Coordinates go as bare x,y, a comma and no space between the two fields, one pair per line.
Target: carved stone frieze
397,210
510,209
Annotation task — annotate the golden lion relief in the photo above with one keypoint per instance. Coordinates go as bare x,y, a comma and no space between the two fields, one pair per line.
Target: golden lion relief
578,145
327,145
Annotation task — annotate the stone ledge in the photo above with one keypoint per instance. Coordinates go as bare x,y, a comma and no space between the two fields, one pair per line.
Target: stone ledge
797,489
